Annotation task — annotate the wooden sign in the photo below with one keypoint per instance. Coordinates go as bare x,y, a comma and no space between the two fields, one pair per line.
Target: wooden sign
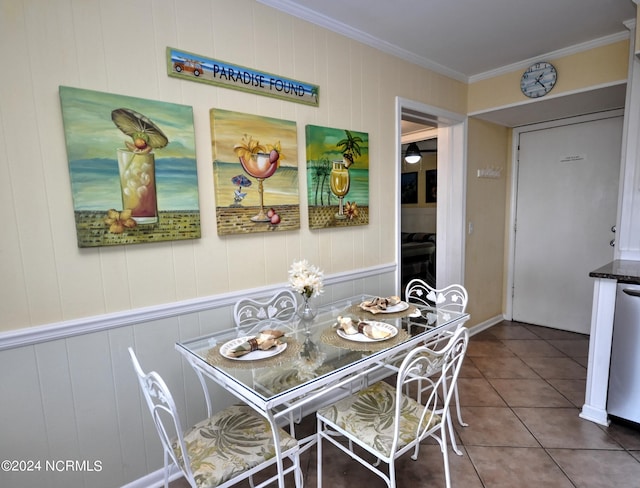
193,67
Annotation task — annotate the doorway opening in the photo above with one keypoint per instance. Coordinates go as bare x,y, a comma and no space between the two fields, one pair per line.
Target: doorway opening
449,130
418,200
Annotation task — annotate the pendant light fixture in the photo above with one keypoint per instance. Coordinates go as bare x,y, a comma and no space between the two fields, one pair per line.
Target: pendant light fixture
413,154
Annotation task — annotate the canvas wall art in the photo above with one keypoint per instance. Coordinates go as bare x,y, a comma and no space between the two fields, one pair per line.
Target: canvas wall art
337,177
409,188
132,166
255,171
431,178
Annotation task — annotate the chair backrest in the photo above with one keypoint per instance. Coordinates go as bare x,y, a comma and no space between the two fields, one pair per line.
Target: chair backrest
164,415
437,366
280,308
452,298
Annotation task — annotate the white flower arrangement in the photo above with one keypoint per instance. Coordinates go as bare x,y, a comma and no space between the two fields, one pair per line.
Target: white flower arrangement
306,279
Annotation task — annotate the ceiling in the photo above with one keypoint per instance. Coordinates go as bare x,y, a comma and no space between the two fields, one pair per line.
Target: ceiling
470,40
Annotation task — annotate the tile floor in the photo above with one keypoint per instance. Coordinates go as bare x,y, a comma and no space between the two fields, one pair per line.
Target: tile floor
521,389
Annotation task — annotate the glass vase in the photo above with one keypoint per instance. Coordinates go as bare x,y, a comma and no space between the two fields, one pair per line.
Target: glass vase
306,312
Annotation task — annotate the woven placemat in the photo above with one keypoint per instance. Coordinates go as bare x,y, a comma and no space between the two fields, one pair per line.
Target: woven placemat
330,336
214,358
365,315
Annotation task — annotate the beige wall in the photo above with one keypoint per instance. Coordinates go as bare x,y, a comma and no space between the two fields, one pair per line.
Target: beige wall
119,47
488,147
421,216
598,66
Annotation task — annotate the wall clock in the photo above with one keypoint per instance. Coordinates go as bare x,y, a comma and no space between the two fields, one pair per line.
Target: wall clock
538,79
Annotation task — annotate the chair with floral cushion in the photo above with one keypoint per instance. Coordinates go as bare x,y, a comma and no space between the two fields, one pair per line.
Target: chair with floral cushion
278,309
386,422
229,446
453,298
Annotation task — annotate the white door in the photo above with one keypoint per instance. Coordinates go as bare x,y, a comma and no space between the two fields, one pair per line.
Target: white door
566,205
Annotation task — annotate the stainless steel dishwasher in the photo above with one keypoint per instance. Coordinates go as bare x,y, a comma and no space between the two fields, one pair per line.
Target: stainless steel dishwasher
624,375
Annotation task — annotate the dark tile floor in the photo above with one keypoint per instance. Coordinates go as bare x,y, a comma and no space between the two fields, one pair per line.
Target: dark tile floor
521,389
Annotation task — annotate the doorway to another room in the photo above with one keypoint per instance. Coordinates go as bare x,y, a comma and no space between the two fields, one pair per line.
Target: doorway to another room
438,224
418,201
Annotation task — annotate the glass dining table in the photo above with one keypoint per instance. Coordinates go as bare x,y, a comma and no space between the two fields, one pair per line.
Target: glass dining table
316,363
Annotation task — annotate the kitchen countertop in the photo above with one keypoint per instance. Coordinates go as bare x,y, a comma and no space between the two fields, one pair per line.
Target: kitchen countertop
621,270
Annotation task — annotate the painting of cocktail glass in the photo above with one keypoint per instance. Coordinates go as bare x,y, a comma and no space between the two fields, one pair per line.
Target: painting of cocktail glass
337,177
255,172
132,165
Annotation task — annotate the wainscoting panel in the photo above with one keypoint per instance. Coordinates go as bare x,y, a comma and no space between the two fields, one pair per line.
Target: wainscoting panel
77,399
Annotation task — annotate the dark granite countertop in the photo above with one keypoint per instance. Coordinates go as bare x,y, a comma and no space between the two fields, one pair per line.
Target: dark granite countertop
620,270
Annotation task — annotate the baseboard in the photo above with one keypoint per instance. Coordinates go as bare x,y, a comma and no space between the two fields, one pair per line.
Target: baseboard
487,324
594,414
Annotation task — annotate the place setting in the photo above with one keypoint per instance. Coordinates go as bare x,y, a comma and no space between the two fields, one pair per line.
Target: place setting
389,307
267,345
358,334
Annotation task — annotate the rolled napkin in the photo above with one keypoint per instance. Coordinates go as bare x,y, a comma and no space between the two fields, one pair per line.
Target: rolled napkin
263,341
372,331
379,304
347,325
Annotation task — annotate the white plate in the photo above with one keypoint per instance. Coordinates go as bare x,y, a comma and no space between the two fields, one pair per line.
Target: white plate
398,307
253,355
363,338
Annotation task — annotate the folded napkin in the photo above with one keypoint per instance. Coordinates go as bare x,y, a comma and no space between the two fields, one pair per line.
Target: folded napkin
379,304
372,331
263,341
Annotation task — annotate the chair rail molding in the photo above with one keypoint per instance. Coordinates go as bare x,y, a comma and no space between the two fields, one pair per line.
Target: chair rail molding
70,328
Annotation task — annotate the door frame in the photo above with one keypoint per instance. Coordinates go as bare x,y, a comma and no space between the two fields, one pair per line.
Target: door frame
450,211
509,289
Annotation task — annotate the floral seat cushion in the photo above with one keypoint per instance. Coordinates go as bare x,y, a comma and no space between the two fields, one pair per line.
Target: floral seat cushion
229,443
369,416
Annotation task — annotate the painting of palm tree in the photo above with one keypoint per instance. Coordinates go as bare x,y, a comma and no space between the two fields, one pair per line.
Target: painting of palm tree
337,177
350,147
320,171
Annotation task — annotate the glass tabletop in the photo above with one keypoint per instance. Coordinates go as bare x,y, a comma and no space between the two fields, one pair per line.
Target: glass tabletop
312,353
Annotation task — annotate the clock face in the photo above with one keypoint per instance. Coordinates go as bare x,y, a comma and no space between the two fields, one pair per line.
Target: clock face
538,80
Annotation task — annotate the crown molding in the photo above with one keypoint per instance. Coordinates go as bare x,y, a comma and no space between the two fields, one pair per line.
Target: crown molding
419,135
338,27
577,48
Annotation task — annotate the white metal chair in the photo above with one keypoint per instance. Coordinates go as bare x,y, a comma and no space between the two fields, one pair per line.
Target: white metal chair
280,308
275,311
386,422
229,446
453,298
